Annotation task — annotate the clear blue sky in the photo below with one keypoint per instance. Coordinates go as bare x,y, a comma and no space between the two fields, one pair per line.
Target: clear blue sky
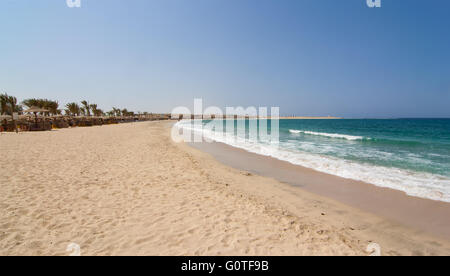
309,57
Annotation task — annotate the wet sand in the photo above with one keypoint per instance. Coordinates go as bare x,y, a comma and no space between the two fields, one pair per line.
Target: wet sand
422,214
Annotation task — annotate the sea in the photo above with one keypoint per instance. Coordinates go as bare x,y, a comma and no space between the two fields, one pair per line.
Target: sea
409,155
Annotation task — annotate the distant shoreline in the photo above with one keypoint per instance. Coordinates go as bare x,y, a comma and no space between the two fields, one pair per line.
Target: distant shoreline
311,118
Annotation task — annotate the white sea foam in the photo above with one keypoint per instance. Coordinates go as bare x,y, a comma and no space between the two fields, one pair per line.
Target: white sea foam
330,135
424,185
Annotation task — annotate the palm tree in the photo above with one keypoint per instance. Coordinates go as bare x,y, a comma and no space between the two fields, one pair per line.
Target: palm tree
51,106
117,112
3,104
96,111
73,109
125,112
33,102
8,105
87,108
93,107
13,104
99,113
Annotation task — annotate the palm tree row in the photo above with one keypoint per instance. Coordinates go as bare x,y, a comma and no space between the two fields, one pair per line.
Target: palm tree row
122,112
8,105
85,109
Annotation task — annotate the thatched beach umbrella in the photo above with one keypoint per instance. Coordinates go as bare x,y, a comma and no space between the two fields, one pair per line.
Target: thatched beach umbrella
35,110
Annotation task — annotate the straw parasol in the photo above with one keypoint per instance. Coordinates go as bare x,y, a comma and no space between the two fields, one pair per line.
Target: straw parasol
35,110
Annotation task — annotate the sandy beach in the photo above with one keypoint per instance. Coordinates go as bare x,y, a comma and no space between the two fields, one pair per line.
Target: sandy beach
127,189
430,216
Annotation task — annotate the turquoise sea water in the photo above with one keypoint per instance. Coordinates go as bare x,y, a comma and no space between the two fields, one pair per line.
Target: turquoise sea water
411,155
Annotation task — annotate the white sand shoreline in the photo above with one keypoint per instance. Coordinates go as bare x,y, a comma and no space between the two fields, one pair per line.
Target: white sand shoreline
427,215
129,190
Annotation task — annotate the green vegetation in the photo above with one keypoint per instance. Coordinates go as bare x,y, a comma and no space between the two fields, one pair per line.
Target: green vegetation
9,105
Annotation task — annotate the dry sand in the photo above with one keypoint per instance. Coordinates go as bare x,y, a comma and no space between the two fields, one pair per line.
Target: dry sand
129,190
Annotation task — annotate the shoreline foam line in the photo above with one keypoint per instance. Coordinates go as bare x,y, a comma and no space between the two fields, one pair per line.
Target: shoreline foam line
409,182
329,135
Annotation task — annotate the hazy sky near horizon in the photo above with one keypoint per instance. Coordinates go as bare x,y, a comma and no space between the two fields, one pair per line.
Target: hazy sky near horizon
309,57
